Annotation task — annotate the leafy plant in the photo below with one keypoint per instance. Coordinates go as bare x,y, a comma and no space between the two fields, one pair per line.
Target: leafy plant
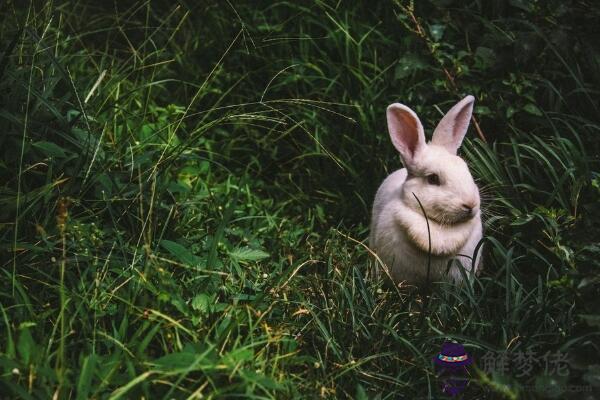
185,190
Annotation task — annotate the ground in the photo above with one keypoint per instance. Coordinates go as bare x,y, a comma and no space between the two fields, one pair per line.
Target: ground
185,192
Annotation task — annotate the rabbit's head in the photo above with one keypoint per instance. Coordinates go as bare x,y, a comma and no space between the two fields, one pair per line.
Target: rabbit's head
436,175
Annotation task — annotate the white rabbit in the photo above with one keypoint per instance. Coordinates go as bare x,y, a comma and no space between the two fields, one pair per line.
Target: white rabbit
443,184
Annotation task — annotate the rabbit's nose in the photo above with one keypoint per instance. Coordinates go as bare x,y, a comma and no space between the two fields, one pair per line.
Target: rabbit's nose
467,208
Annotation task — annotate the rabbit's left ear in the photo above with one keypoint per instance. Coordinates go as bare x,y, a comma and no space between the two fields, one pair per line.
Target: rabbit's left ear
452,128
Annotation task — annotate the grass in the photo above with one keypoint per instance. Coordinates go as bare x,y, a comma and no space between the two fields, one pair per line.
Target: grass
186,188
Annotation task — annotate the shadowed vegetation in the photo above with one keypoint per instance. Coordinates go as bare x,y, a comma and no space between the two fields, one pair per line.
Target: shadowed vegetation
185,190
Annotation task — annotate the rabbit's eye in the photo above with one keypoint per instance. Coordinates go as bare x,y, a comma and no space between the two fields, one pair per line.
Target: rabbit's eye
433,179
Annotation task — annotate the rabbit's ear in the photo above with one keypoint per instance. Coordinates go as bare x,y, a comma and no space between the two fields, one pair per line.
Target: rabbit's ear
406,132
452,128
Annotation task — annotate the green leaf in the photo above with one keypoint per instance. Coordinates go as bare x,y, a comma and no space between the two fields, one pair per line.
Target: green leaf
437,31
533,109
361,394
201,302
147,132
483,110
180,360
510,111
238,356
188,175
178,302
85,376
26,324
10,344
180,252
260,379
50,149
248,254
26,346
408,65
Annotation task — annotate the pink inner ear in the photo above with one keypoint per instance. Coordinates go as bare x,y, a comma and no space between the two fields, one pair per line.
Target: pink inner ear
462,122
452,128
412,133
405,132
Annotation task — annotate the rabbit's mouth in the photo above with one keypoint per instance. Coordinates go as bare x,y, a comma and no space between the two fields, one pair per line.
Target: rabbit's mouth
453,217
465,215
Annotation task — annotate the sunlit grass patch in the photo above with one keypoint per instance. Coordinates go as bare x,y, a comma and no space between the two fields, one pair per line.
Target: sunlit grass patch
185,191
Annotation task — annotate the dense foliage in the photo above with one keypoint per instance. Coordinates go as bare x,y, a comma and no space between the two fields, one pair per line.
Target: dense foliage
185,191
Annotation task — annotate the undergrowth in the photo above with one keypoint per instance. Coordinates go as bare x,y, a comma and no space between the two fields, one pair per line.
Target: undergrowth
185,192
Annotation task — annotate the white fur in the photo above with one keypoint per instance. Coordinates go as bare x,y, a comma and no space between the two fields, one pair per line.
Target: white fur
399,232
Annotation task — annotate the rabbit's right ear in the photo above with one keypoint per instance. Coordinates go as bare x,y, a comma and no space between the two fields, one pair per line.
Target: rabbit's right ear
406,132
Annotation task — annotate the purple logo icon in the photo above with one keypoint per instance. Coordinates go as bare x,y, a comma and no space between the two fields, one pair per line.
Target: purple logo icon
451,367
